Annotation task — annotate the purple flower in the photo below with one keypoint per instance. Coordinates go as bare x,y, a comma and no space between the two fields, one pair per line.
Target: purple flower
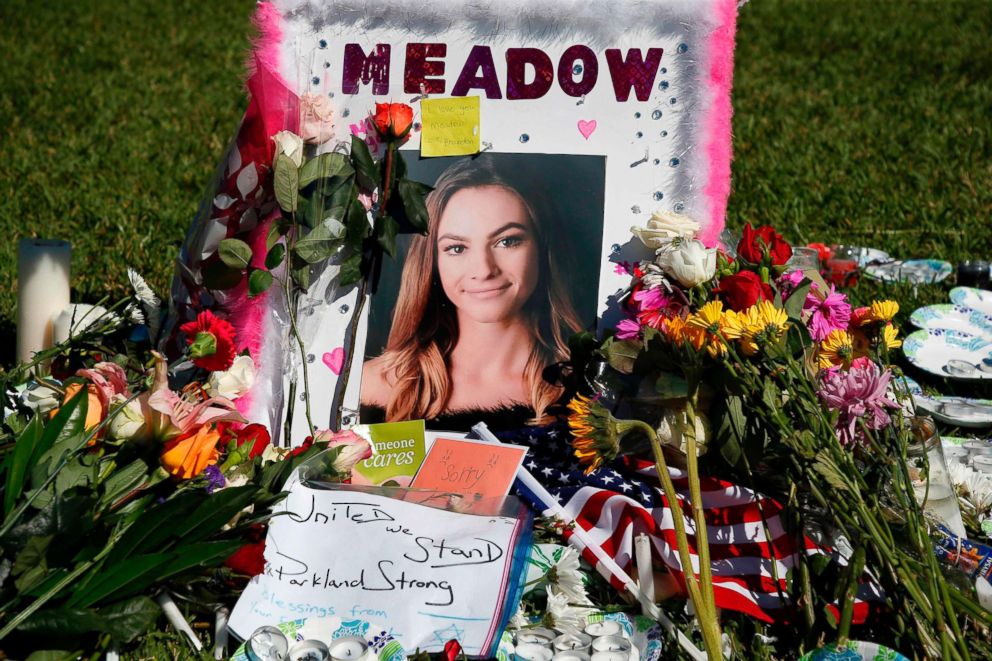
827,315
628,329
859,395
215,479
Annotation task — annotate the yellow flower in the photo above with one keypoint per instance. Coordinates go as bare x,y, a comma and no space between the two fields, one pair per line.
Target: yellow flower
883,310
731,325
708,317
889,337
674,330
763,324
837,349
595,432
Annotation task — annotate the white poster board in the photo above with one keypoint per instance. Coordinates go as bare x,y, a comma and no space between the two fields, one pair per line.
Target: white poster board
428,574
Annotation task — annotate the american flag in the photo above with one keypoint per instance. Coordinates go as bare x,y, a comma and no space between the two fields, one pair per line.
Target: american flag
616,503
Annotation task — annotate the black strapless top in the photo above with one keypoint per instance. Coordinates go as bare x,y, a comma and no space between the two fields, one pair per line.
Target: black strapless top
497,419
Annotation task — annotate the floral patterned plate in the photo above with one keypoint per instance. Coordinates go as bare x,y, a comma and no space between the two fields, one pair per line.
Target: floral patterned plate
949,353
910,270
977,299
959,411
854,650
957,317
328,629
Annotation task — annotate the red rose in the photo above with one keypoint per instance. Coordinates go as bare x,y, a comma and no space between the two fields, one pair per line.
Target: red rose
742,290
256,437
823,251
764,241
452,650
211,342
392,120
250,558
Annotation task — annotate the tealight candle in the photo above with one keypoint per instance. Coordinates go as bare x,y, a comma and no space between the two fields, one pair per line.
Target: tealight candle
346,649
611,644
43,268
572,641
531,652
978,447
982,463
537,635
571,655
604,628
308,650
609,656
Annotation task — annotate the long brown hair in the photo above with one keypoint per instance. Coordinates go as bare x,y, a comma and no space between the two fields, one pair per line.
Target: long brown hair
425,327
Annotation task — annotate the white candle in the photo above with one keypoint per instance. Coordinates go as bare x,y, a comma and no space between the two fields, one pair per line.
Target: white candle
604,628
348,648
76,318
537,635
43,268
610,656
572,641
611,644
532,652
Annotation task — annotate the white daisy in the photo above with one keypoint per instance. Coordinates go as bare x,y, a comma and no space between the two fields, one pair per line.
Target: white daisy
566,578
142,290
562,615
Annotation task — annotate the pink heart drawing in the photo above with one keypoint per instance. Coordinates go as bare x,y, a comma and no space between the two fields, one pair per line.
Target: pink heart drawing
586,128
334,359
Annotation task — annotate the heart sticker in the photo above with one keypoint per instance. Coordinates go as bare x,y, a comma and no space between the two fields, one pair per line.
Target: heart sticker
586,128
334,359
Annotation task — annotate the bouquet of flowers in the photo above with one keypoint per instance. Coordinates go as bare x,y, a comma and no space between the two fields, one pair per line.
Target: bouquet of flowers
731,365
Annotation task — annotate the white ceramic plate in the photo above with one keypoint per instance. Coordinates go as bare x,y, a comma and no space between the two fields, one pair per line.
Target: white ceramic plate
911,270
957,317
976,299
958,411
949,353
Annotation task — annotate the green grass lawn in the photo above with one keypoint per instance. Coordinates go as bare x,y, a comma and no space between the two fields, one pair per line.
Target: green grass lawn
855,121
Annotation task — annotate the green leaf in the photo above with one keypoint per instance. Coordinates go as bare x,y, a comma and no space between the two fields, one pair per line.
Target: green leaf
794,304
31,564
64,434
52,655
219,276
274,258
214,512
386,229
413,194
325,166
123,481
621,354
147,531
127,620
286,183
321,242
277,230
671,386
258,282
115,578
20,462
351,271
731,430
235,253
357,222
63,622
364,165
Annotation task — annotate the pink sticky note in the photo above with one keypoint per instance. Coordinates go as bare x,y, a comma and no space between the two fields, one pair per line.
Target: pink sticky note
470,467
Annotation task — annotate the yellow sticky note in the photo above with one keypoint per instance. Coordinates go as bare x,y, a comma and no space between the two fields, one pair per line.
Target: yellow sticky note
449,127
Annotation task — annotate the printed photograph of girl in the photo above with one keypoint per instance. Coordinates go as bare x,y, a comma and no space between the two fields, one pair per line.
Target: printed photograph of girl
466,320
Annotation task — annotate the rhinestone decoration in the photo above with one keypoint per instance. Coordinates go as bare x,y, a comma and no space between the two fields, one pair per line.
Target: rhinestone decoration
682,48
635,209
322,43
639,134
674,162
637,115
316,80
345,112
664,134
658,195
656,114
344,308
663,85
664,70
577,69
657,161
311,357
615,248
680,207
672,100
524,137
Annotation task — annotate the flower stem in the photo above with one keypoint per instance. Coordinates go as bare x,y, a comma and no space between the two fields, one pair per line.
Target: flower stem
702,541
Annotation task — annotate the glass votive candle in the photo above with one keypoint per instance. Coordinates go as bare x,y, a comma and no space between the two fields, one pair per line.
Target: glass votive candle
803,259
975,273
934,490
841,272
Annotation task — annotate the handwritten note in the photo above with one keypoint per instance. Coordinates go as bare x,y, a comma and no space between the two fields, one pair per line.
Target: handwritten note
470,467
450,127
430,574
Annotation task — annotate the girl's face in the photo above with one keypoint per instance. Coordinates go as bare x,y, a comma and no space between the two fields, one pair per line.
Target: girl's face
487,254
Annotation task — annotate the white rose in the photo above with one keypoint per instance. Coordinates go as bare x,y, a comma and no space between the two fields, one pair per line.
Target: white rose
40,398
128,423
291,145
675,423
665,226
233,382
690,262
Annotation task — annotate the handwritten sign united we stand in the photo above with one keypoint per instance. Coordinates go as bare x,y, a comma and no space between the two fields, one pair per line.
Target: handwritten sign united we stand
428,575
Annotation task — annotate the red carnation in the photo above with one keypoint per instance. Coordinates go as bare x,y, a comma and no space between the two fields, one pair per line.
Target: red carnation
211,342
256,437
392,120
764,241
742,290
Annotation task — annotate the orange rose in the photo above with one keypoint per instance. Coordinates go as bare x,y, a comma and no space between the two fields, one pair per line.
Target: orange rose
94,406
392,120
189,455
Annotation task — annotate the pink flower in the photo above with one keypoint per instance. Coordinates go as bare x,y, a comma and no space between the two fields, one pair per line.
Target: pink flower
171,415
655,298
789,281
859,395
628,329
316,111
827,315
354,448
108,379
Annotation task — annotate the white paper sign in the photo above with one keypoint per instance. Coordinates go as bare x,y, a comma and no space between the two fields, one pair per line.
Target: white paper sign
428,575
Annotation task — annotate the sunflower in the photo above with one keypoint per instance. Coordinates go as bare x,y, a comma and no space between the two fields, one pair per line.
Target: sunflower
883,310
837,349
889,337
595,432
764,324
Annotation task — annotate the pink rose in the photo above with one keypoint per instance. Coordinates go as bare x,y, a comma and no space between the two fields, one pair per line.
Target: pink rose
354,448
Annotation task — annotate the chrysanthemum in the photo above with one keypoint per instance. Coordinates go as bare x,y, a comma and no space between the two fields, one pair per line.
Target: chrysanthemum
883,310
890,337
628,329
653,298
764,325
594,430
831,313
563,615
714,327
859,395
837,349
566,578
